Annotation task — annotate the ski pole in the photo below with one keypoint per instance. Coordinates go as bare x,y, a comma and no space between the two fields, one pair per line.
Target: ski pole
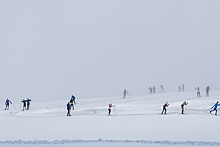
14,106
129,94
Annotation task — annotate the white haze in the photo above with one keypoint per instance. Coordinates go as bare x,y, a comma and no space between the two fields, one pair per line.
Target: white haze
53,49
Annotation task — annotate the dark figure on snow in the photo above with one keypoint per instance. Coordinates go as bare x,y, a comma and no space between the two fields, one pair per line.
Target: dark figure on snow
198,92
161,88
7,102
179,88
68,107
150,89
154,90
165,108
109,109
28,103
24,104
207,89
182,106
125,92
72,102
183,87
215,106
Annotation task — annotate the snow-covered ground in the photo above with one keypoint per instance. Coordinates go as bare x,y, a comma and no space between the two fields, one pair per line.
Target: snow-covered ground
135,121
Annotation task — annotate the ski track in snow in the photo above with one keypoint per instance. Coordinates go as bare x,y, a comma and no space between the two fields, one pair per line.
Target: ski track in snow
165,142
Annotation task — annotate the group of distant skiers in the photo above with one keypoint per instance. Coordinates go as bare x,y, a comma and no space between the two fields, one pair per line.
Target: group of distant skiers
181,87
214,107
26,104
164,111
152,90
72,102
207,89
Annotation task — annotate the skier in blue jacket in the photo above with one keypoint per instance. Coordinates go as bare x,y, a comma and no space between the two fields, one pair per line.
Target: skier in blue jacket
28,103
7,104
215,106
68,107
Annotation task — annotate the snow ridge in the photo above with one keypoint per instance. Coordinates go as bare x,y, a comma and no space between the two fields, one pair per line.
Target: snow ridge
164,142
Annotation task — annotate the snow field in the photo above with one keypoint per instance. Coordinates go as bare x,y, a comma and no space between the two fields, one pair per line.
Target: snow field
136,121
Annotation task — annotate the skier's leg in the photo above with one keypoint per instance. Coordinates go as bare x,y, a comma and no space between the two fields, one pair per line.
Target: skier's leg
165,111
69,112
182,110
109,111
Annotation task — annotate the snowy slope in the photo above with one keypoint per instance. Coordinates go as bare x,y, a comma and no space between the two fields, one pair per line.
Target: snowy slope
135,121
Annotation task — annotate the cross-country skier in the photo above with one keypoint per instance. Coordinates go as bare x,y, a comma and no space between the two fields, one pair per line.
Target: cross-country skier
109,109
7,102
161,88
124,93
198,92
24,104
207,89
179,88
154,90
150,88
68,107
28,103
183,87
215,106
182,106
165,108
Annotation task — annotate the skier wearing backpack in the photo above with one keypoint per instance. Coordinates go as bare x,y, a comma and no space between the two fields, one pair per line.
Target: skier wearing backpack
7,102
109,108
68,106
165,108
182,106
215,106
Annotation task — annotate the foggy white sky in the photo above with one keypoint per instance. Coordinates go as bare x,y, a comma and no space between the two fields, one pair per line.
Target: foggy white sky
53,49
